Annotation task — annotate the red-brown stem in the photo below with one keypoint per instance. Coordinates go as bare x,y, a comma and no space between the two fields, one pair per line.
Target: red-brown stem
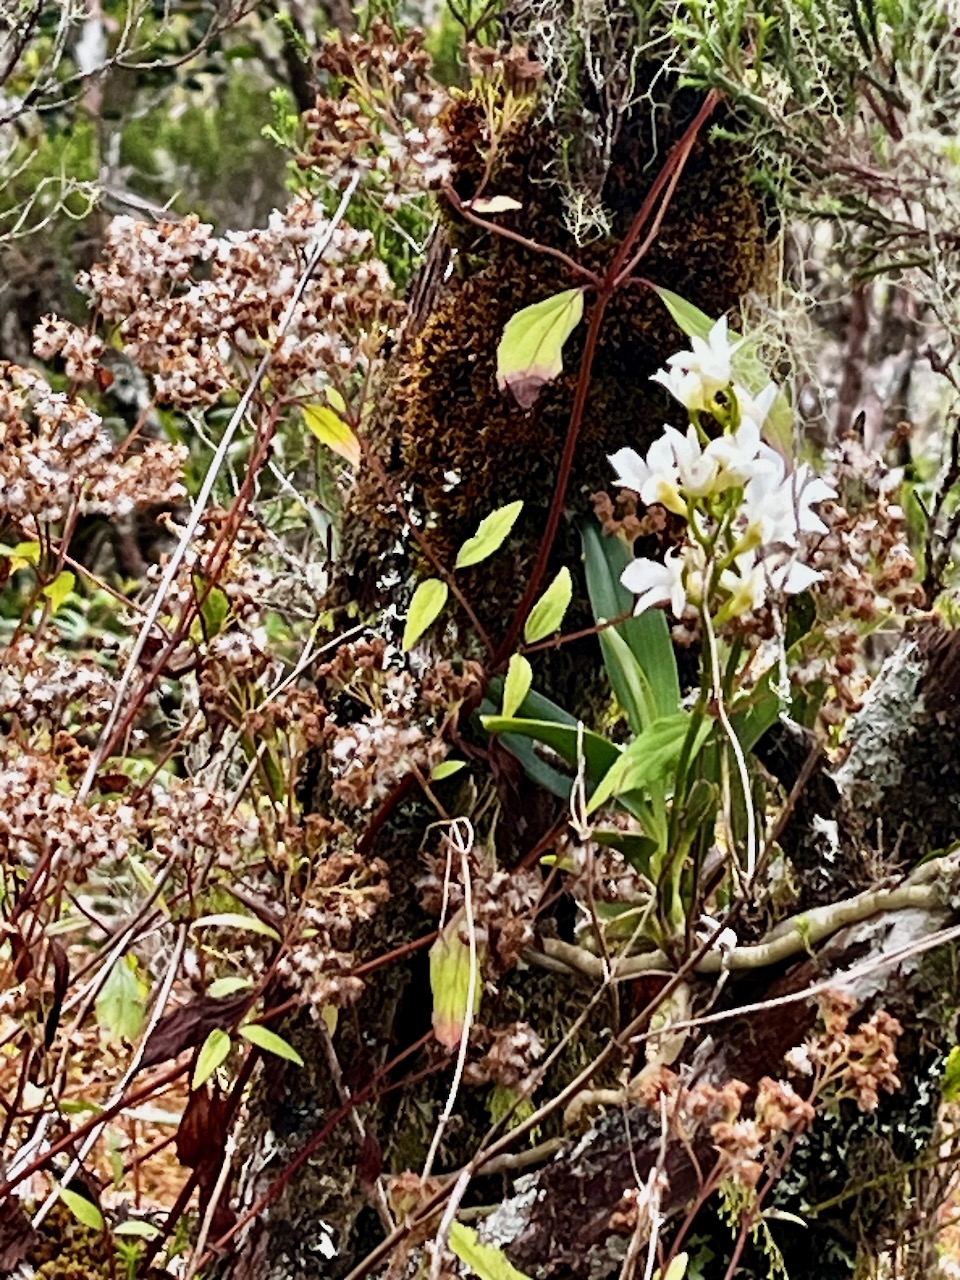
304,1154
616,276
533,245
67,1141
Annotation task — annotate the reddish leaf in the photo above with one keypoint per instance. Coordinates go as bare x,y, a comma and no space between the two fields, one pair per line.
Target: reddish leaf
61,980
189,1026
369,1160
202,1134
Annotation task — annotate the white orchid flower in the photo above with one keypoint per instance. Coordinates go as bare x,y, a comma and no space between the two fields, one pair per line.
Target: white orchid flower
695,377
655,583
746,582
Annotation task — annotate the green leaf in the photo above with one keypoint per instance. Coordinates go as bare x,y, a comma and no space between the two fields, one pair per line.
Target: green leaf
676,1270
120,1004
212,1053
83,1210
331,430
491,533
693,322
530,353
58,591
646,636
446,769
547,614
135,1227
648,758
270,1042
450,982
428,600
484,1260
215,609
517,684
638,850
599,754
228,986
236,920
950,1080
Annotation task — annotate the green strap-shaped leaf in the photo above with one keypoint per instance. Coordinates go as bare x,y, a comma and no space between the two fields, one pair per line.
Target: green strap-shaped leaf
425,607
599,754
530,353
490,536
646,636
547,614
648,758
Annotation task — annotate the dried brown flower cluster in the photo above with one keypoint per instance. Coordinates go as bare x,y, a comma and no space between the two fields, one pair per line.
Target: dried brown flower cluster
504,902
510,1057
197,311
382,123
859,1064
402,723
57,456
869,576
744,1144
346,891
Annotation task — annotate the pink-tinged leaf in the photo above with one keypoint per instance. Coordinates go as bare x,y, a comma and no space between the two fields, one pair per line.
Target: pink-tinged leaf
530,353
450,982
493,204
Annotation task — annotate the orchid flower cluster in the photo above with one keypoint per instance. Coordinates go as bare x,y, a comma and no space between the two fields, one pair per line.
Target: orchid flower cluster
747,512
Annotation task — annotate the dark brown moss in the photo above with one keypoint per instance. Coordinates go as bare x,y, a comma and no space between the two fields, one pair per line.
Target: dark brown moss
461,447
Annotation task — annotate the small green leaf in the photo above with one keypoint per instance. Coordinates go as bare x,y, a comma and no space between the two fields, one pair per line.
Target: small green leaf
212,1053
331,430
135,1227
484,1260
428,600
83,1210
270,1042
950,1080
517,684
450,982
228,986
58,591
547,614
446,769
236,920
491,533
336,399
120,1004
215,609
676,1270
690,319
530,353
